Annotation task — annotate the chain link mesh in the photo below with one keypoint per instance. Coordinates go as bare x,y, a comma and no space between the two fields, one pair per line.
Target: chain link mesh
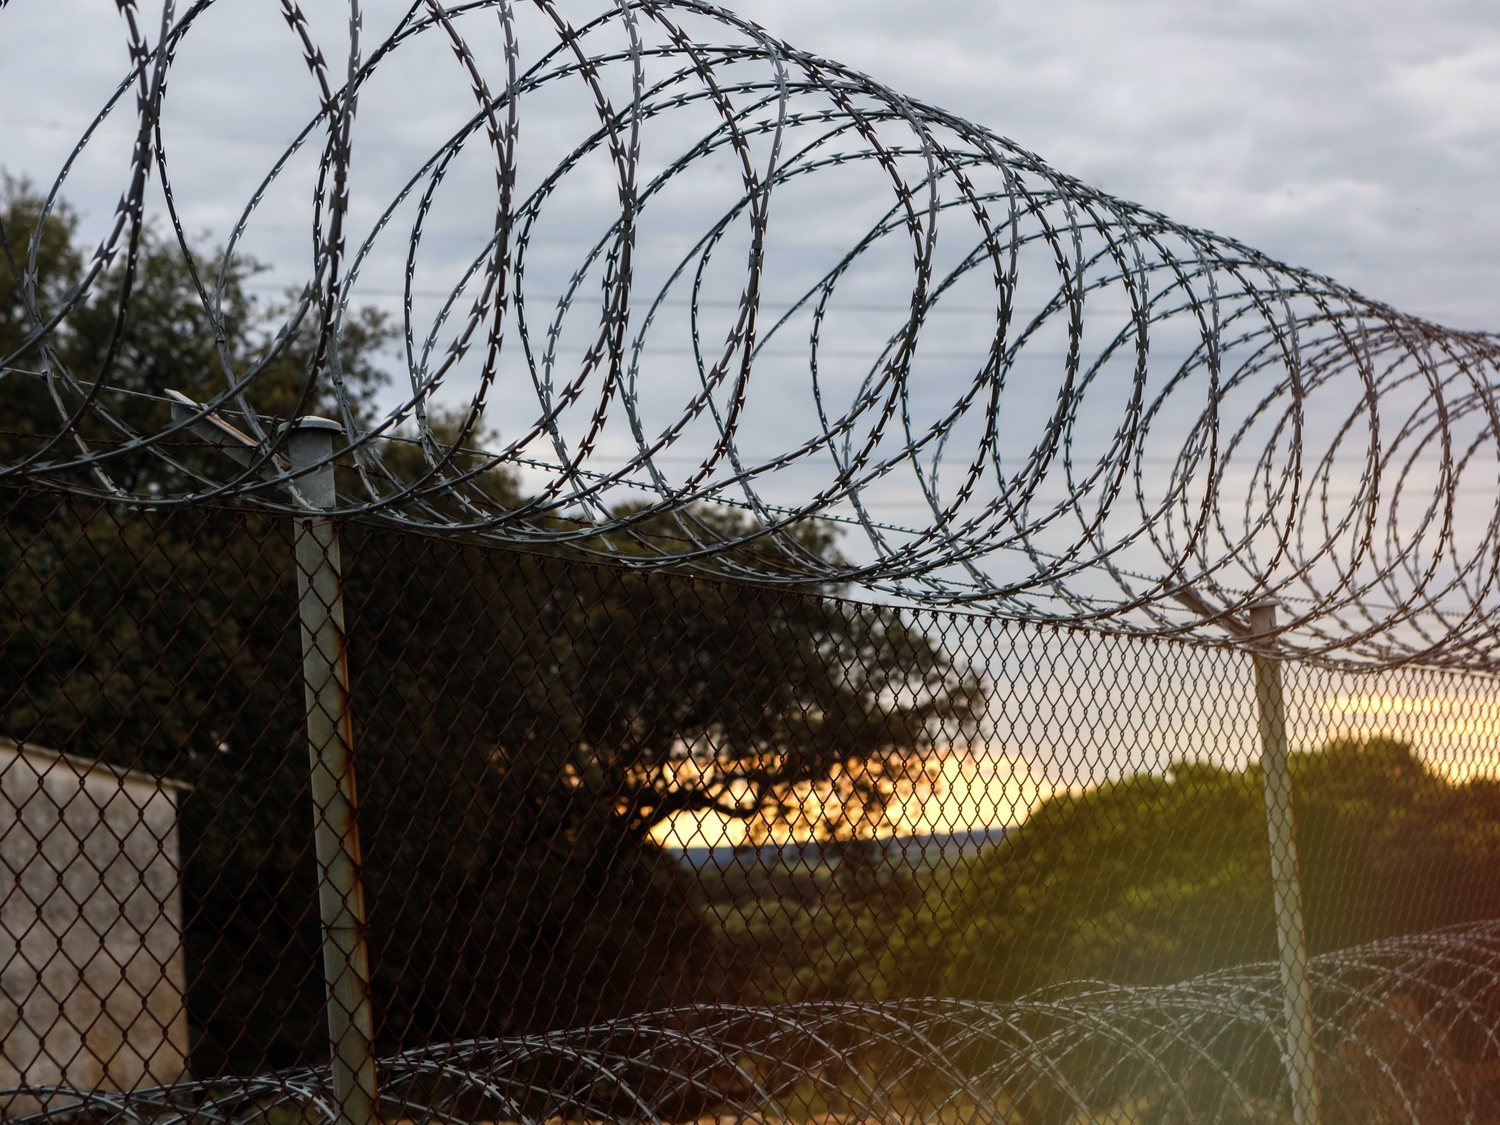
646,846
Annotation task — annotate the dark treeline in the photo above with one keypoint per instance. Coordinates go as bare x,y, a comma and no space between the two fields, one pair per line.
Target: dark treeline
523,723
1153,879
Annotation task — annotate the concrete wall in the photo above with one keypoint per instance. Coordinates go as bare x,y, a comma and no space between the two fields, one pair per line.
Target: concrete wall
91,969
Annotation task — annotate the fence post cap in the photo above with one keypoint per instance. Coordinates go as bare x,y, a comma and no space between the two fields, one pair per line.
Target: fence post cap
314,422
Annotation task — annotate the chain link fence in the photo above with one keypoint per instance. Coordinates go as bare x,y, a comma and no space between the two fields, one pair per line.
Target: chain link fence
515,748
640,846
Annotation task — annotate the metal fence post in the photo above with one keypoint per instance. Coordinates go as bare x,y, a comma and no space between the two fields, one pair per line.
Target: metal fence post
1291,937
330,743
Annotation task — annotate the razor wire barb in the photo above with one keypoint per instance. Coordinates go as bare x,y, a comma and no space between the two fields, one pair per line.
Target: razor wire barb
1266,432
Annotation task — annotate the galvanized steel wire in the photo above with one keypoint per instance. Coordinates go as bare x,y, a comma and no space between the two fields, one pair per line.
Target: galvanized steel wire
1405,1030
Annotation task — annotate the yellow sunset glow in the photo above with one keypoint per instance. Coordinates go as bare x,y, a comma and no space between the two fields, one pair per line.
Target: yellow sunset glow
1386,705
1456,736
963,790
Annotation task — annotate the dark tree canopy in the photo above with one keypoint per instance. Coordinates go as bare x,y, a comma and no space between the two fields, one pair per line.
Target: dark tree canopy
523,723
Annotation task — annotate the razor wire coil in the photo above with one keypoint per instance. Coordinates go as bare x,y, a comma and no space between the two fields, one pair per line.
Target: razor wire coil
1405,1030
1146,427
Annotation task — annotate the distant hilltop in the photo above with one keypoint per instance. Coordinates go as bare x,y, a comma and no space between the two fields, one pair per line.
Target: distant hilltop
927,850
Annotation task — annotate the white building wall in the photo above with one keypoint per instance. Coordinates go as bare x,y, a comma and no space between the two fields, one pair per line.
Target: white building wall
91,963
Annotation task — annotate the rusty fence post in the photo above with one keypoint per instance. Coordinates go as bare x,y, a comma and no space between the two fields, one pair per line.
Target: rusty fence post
330,737
330,744
1286,888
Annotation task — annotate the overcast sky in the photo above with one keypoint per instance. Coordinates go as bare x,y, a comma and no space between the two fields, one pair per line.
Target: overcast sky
1360,138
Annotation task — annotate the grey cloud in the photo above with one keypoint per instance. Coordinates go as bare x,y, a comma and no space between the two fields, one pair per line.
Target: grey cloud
1356,138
